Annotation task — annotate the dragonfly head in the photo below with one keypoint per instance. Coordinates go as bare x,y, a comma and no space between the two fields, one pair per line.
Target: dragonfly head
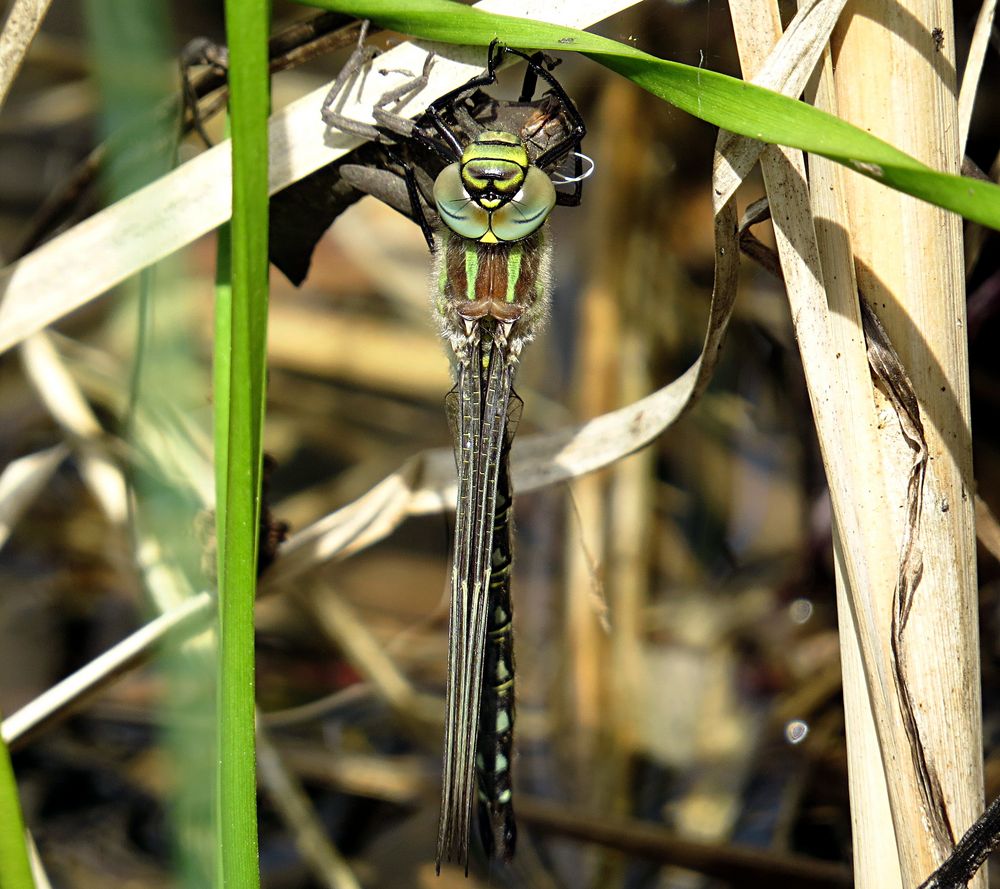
493,168
494,194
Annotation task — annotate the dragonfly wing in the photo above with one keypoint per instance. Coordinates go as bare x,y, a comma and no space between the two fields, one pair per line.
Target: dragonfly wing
465,415
482,445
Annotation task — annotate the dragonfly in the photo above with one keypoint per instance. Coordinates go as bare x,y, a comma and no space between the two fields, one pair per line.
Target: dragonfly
485,217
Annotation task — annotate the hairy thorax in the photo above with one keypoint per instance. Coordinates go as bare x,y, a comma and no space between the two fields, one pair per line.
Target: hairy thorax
506,283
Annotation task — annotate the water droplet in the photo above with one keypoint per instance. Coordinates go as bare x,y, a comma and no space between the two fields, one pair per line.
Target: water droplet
800,610
796,731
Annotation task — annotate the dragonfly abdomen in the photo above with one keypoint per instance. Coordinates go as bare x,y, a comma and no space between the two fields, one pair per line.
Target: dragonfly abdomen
495,742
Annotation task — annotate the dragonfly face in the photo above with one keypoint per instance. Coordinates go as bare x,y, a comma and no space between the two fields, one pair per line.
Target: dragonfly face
493,194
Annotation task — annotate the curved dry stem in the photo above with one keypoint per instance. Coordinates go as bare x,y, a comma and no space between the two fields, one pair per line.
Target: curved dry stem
329,867
22,481
974,68
19,28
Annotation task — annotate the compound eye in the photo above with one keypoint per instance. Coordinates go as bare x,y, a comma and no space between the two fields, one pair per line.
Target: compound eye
529,208
457,210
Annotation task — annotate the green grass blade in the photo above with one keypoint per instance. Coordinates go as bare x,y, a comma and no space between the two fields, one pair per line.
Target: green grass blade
240,377
132,52
15,867
721,100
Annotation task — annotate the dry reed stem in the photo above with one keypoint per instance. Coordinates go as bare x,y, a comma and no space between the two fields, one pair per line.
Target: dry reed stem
974,68
38,872
295,808
871,815
19,28
895,75
22,481
869,543
757,26
786,69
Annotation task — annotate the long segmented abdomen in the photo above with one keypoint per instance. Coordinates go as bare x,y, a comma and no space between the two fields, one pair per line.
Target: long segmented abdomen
494,748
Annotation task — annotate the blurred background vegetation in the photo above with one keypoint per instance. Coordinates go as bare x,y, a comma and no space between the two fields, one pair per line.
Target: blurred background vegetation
676,634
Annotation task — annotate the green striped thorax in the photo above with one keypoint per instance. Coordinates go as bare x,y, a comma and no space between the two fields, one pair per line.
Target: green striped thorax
494,194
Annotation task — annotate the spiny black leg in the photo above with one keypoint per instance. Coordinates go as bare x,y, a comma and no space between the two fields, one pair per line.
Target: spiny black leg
415,206
493,59
579,128
494,56
572,199
530,82
418,210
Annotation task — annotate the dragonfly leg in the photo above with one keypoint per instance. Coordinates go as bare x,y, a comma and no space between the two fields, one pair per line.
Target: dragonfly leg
572,198
396,123
530,82
361,56
386,121
197,52
578,129
416,207
449,99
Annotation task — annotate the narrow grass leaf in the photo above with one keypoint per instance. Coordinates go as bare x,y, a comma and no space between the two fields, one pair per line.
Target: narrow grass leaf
15,867
241,334
729,103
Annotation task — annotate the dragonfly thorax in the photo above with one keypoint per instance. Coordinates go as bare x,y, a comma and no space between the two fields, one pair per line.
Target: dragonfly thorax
494,194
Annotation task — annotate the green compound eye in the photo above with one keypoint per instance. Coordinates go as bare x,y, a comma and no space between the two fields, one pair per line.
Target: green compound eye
515,220
458,211
529,208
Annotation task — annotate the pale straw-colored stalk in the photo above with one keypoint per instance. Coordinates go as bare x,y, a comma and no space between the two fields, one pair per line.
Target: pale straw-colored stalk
24,17
895,75
911,673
